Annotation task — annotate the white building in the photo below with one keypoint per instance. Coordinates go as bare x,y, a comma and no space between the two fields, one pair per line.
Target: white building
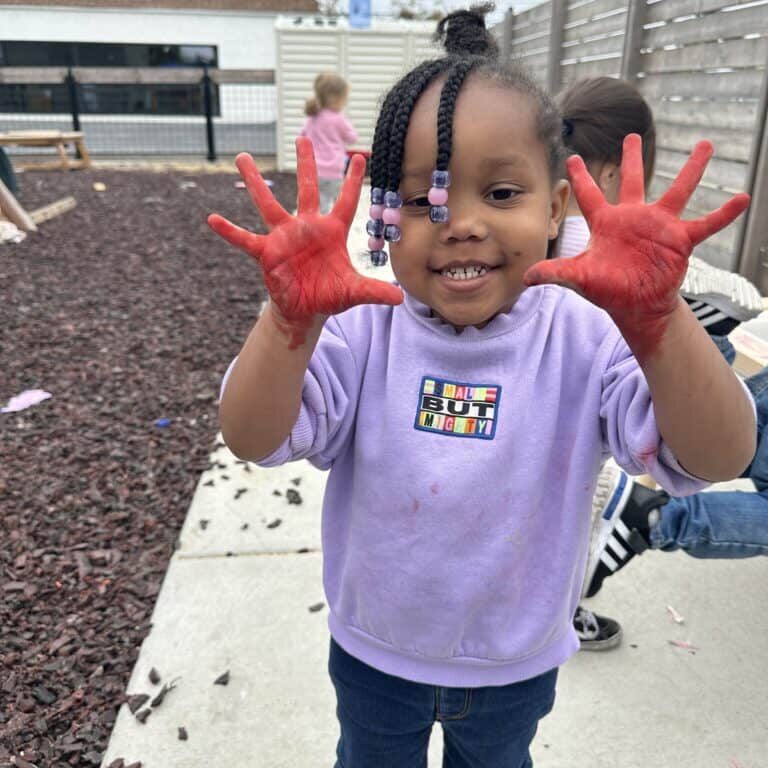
148,117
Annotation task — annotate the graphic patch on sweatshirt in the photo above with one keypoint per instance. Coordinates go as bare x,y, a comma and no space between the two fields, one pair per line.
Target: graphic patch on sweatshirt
458,409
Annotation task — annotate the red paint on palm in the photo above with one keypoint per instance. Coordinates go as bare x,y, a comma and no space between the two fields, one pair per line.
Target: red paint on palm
304,258
638,253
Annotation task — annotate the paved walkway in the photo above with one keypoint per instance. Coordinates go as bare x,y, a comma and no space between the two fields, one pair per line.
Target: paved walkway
243,594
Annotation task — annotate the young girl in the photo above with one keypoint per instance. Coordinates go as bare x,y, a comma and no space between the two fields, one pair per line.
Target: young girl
330,133
598,113
464,414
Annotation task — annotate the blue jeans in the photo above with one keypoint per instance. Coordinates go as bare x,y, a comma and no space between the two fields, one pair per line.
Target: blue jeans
386,721
724,524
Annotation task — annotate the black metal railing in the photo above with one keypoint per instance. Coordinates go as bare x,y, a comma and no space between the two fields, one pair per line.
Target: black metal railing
145,110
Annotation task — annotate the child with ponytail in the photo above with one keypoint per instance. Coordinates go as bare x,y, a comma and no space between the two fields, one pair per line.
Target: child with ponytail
330,133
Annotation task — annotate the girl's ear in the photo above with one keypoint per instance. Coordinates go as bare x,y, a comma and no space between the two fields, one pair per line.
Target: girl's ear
561,192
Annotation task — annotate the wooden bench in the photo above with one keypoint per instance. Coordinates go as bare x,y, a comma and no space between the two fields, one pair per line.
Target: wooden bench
57,139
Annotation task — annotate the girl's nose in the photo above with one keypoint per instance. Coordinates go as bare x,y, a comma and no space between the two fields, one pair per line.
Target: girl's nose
465,222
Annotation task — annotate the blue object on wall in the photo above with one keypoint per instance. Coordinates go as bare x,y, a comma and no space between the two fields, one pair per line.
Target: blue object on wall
360,14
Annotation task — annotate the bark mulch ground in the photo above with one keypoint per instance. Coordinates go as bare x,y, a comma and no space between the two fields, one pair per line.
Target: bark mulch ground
127,309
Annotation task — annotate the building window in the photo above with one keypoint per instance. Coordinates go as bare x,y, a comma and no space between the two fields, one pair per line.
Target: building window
25,53
107,99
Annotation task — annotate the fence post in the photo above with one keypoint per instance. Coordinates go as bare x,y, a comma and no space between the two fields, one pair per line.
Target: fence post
633,39
74,101
208,106
752,244
74,104
507,35
556,32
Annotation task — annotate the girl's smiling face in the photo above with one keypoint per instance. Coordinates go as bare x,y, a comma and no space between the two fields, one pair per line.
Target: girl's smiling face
504,207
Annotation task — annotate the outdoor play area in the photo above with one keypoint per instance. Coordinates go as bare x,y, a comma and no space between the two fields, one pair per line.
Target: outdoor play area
120,312
124,309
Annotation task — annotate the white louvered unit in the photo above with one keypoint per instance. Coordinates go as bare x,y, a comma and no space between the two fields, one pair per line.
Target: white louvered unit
371,60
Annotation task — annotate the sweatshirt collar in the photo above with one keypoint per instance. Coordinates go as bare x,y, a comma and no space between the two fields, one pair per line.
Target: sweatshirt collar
524,308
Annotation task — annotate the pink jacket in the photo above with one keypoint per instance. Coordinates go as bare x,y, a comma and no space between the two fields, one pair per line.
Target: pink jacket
330,133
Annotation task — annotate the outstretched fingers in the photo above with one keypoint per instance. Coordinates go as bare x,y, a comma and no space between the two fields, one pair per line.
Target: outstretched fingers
271,211
681,189
237,236
706,226
346,205
306,176
588,194
632,189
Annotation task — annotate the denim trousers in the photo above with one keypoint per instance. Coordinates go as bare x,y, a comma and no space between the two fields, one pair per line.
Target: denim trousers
386,721
329,190
724,524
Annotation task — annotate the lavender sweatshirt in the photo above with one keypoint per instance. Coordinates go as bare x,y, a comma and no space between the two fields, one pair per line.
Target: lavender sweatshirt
457,512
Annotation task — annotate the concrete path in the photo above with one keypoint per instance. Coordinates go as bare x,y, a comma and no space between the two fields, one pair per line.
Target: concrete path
243,594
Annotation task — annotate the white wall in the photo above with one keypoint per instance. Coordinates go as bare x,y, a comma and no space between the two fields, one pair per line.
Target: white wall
371,60
244,40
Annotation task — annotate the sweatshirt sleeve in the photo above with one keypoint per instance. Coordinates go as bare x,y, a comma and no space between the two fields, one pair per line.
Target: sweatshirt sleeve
348,133
328,404
630,432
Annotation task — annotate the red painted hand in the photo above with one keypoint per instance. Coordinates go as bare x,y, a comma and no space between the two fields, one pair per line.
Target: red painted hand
638,253
304,258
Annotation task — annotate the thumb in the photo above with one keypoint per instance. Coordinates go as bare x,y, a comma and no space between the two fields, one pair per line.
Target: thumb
367,290
566,272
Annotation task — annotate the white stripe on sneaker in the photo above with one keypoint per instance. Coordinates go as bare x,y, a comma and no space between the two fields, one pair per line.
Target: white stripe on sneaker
716,318
609,561
615,545
623,530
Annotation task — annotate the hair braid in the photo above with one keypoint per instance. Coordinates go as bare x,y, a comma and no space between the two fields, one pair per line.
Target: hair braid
381,139
447,106
413,87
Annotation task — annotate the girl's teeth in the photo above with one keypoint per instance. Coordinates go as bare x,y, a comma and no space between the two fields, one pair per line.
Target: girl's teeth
464,273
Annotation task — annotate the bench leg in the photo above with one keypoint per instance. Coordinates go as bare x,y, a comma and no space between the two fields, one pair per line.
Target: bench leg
62,150
85,160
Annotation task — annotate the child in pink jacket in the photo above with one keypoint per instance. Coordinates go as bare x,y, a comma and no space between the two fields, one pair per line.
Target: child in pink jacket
330,133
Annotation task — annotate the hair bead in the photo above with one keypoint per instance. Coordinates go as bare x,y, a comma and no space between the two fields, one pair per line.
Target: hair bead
391,216
392,233
441,179
378,258
438,214
375,227
392,199
437,196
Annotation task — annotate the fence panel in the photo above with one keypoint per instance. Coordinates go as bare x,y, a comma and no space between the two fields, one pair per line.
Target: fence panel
529,41
701,65
144,111
702,68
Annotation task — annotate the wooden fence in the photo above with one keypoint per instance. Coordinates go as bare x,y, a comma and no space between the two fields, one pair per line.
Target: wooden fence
702,65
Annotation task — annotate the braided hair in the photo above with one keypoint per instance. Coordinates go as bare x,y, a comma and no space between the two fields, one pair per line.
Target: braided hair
469,48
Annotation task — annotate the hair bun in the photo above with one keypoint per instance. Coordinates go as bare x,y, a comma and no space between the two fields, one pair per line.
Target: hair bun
463,32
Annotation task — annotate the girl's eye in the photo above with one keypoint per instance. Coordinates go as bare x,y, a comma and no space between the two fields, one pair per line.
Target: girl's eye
418,202
503,193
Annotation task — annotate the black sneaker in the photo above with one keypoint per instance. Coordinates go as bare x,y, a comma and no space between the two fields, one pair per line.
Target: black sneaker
720,299
596,633
624,528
